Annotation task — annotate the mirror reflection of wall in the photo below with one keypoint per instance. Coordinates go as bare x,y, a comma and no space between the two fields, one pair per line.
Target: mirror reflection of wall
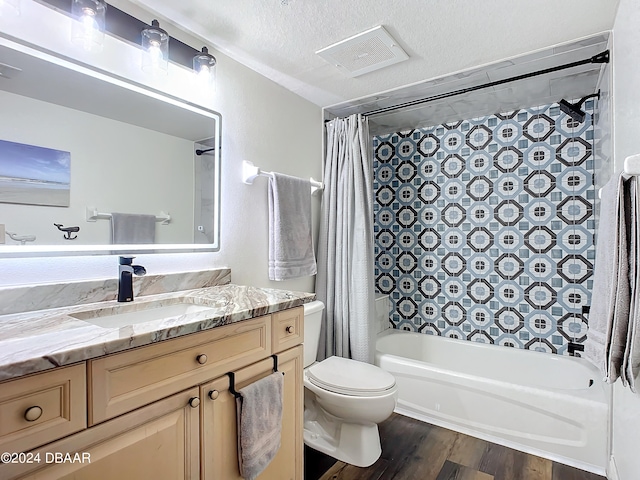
205,194
115,167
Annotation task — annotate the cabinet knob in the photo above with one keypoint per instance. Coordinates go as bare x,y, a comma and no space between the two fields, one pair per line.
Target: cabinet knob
32,414
290,329
201,359
194,402
213,394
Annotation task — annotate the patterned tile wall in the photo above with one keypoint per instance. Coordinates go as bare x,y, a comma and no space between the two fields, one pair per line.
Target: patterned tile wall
484,228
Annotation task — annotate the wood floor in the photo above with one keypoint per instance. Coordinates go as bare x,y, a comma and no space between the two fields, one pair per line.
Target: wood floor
413,450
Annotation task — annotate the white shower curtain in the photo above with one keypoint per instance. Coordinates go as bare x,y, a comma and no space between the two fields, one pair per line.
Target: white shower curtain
345,281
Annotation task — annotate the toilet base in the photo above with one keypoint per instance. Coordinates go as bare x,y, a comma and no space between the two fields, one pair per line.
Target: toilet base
355,444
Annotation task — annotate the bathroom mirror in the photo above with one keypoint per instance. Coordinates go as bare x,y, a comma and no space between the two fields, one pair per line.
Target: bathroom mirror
77,145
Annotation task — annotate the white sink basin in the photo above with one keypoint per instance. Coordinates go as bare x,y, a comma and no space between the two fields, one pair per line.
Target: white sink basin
114,318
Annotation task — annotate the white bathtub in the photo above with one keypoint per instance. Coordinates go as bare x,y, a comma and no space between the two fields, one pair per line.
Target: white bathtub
547,405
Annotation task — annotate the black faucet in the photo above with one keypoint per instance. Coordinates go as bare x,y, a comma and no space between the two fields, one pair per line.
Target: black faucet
125,278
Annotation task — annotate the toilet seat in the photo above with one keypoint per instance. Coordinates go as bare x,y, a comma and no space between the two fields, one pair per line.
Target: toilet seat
350,377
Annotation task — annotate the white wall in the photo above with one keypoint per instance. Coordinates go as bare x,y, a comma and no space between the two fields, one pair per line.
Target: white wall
626,65
261,121
603,126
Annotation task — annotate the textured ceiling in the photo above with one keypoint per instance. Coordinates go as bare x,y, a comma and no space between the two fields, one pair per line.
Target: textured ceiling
279,38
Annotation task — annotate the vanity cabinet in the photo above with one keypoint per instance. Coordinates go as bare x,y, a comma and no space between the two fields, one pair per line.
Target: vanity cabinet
164,411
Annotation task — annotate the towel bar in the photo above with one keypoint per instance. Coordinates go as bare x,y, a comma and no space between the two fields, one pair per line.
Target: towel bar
632,164
232,384
232,377
93,215
250,172
631,167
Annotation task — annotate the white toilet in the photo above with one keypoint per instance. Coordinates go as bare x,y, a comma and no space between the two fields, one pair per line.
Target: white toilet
344,400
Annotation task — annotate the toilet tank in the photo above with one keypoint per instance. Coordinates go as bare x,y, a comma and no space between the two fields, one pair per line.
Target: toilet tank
312,323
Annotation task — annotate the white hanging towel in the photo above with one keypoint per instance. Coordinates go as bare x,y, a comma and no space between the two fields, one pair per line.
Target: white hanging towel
290,238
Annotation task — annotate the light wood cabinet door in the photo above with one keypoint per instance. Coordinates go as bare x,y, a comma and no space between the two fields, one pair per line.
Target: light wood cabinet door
159,442
219,448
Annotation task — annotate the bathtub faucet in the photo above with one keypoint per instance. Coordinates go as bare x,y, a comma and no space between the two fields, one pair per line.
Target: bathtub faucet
125,278
572,348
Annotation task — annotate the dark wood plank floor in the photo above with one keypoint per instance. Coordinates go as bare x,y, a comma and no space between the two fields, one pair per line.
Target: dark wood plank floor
413,450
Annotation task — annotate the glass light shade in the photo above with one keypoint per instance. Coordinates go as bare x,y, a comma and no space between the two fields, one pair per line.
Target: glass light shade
9,8
204,66
155,45
89,25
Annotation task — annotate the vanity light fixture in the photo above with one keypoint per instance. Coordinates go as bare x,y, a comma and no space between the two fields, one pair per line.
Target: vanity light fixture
9,7
204,66
122,26
155,46
89,25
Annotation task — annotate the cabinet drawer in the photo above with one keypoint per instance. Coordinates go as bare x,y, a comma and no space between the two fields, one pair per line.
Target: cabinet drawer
287,329
40,408
124,381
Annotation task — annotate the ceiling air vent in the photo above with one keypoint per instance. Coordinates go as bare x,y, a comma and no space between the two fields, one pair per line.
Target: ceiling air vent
364,53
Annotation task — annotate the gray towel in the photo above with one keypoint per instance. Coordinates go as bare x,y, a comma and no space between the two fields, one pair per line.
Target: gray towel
290,238
259,415
609,315
131,228
631,358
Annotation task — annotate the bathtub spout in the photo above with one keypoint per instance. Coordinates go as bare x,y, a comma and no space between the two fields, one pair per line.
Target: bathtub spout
572,348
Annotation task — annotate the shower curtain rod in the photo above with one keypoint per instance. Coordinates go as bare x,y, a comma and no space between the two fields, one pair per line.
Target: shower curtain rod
603,57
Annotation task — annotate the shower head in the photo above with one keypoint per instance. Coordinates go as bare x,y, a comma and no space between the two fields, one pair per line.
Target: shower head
201,152
574,110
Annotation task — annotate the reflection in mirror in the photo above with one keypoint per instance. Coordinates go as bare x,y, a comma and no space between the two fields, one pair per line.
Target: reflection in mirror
77,146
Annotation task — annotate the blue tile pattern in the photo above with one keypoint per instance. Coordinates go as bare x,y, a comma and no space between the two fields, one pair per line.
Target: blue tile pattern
484,228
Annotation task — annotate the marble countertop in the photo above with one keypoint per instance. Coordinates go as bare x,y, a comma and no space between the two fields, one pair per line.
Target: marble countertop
35,341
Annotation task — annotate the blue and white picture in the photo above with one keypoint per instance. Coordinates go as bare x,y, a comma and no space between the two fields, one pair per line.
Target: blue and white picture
34,175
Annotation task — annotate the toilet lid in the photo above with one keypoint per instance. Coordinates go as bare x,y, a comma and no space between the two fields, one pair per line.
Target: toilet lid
350,377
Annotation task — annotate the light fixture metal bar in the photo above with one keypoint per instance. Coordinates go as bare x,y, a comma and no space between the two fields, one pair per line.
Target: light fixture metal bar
128,28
